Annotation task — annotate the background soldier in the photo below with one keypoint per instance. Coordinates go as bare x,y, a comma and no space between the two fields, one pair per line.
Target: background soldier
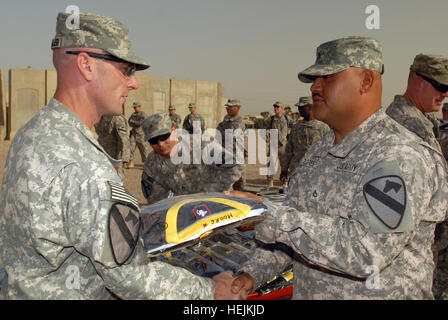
427,88
114,138
303,134
280,122
232,121
361,208
177,120
137,136
68,227
162,177
193,117
445,111
443,131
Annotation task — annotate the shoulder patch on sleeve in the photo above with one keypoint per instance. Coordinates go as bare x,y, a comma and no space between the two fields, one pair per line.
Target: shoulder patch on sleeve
124,223
386,197
146,183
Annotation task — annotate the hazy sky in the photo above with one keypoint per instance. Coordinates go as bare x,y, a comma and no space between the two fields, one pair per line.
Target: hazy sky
255,48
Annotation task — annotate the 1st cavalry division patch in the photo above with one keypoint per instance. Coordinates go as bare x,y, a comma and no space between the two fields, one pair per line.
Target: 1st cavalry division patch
124,223
386,197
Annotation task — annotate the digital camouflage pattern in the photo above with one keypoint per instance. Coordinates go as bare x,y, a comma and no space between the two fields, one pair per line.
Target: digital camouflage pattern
432,66
114,138
443,137
161,177
406,114
426,126
54,209
156,125
304,101
303,135
236,125
337,238
99,32
280,124
189,121
176,120
337,55
137,137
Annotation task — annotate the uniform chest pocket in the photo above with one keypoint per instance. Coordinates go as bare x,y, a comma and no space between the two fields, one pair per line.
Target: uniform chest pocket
335,191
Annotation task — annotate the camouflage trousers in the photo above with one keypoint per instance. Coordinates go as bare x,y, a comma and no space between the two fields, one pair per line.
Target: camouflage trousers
440,251
241,183
278,159
141,144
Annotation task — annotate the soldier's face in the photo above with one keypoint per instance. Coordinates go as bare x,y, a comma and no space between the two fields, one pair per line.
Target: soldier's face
278,110
430,99
137,108
193,110
164,147
113,86
333,96
233,111
172,112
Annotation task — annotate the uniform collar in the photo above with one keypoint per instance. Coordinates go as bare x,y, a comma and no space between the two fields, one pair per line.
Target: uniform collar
229,118
70,117
354,138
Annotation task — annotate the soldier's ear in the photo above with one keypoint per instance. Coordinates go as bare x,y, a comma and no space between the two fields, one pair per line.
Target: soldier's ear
367,80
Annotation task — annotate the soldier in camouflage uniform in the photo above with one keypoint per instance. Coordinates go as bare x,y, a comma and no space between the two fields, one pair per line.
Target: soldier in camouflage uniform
68,227
427,88
232,121
136,136
303,135
443,131
361,208
113,137
175,118
192,118
162,176
280,122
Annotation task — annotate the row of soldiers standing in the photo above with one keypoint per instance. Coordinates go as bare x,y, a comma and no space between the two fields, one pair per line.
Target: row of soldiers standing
114,138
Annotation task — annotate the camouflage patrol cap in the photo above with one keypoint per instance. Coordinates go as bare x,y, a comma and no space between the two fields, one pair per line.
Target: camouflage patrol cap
98,32
136,104
233,102
445,106
171,107
278,104
191,105
432,66
304,101
337,55
156,125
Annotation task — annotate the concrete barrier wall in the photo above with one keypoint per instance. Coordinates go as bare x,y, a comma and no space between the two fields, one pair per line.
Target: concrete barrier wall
183,92
161,90
51,82
143,95
30,90
27,95
2,107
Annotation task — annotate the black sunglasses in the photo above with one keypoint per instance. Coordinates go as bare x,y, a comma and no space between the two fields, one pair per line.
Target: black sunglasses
156,140
437,85
129,73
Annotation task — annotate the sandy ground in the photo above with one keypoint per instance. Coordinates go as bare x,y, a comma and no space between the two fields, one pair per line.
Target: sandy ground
133,176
